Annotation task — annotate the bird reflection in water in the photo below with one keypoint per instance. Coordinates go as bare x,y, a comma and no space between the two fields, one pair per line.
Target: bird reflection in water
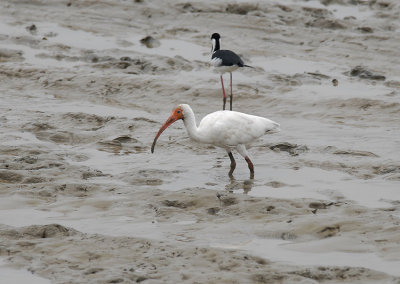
245,185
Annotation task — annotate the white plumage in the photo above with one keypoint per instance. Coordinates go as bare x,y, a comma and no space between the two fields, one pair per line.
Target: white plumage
226,129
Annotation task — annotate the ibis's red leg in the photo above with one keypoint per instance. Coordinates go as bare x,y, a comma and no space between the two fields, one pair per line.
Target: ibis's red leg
233,164
251,167
223,91
231,92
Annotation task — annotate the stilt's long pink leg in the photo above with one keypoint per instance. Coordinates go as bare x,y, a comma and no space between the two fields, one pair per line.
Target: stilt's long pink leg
223,91
231,92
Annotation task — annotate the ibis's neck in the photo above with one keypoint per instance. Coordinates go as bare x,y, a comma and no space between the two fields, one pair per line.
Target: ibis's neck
190,124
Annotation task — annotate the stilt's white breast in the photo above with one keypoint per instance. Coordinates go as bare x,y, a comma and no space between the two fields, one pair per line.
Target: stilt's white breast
225,69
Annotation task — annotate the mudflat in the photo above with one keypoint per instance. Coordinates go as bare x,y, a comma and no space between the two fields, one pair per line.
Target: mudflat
85,86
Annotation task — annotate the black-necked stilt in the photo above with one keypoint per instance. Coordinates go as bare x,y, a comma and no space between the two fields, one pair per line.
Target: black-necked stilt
224,61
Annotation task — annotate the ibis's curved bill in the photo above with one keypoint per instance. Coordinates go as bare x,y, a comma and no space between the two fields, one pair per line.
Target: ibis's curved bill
176,115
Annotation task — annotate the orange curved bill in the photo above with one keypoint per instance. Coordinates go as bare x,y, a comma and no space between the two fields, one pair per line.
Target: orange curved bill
169,121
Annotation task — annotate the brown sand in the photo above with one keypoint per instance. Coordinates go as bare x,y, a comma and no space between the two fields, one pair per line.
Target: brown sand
83,92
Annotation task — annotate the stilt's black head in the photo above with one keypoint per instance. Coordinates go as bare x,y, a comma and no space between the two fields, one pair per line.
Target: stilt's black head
215,36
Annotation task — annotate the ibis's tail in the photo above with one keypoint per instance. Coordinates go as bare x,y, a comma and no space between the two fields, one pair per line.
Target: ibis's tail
273,128
244,65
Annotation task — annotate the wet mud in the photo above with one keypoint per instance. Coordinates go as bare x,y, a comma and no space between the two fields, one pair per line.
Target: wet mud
85,86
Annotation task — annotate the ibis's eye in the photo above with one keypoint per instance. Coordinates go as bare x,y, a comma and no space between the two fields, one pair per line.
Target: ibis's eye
178,111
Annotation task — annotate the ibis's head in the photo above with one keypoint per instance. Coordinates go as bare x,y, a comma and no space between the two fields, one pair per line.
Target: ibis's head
215,39
176,115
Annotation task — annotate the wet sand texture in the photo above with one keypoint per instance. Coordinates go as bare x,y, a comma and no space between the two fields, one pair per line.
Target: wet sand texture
85,85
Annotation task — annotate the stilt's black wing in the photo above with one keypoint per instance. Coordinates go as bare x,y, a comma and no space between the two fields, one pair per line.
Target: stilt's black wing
229,58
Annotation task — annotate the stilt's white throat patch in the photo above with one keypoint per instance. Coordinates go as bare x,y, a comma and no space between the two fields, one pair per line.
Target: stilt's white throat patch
214,44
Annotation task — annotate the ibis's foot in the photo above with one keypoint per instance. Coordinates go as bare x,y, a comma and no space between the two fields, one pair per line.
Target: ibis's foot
233,164
224,100
248,185
251,167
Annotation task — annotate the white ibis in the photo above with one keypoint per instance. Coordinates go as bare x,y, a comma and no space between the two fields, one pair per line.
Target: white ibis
225,129
224,61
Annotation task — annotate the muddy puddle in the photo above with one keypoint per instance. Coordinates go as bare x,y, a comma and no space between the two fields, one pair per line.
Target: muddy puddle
85,87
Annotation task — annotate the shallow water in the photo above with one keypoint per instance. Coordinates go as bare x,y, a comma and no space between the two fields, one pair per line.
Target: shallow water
10,275
78,122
